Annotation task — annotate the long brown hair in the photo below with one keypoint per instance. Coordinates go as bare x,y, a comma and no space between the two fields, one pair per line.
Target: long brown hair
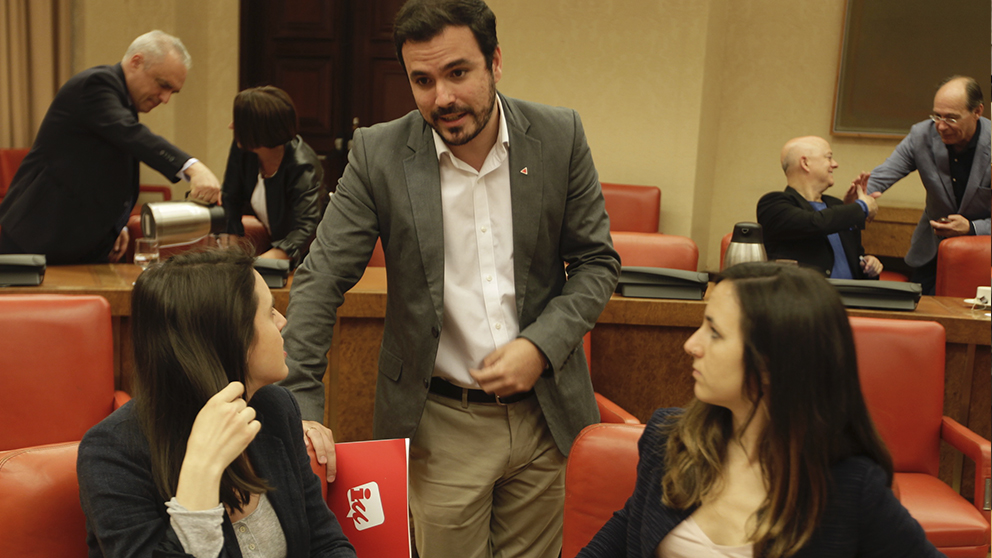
800,363
192,320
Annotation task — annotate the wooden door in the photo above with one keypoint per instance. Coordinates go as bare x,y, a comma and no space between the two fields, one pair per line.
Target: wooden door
336,60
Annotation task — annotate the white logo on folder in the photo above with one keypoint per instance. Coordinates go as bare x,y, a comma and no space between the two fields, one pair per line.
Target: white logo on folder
365,506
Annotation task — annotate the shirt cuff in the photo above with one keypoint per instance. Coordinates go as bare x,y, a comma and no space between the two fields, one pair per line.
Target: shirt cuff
182,172
199,531
864,206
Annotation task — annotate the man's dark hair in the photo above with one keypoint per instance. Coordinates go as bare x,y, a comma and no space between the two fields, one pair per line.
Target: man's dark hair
419,21
971,89
264,117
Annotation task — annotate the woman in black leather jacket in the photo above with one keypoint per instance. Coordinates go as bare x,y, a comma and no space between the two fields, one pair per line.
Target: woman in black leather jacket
272,173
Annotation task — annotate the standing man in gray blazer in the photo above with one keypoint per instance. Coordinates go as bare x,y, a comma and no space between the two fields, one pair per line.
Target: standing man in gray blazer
485,206
951,151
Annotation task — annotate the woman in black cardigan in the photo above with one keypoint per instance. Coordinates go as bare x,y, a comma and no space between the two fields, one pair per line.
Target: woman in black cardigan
776,456
209,458
272,173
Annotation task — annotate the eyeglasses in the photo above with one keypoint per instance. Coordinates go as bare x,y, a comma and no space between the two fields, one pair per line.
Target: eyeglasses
944,119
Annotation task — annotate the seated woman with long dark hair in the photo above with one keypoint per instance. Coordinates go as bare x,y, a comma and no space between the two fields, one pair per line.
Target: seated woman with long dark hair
209,458
272,173
776,456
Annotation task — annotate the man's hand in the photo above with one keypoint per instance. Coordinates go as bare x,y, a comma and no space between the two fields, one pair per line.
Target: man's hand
203,185
512,368
871,266
860,182
322,440
869,201
120,246
952,225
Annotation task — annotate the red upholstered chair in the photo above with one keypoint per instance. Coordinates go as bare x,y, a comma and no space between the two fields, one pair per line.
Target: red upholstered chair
378,258
901,363
724,243
646,250
656,250
963,264
599,477
255,234
56,368
632,208
10,160
164,192
40,513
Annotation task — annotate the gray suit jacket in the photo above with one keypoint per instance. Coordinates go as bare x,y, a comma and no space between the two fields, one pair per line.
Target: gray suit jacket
924,151
391,189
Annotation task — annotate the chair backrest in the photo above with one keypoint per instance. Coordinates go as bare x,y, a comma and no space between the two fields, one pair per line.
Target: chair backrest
40,514
724,243
10,160
56,367
599,477
632,208
378,258
656,250
963,264
901,366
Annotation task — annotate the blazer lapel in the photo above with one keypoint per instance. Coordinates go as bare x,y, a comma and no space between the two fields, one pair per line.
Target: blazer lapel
423,181
980,167
526,197
943,163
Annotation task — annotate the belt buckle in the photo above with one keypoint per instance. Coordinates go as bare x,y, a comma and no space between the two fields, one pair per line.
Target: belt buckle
499,401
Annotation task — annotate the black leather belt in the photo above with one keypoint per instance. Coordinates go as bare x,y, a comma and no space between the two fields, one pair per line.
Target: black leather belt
450,390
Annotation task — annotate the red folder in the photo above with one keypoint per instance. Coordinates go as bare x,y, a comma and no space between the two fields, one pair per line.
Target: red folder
369,496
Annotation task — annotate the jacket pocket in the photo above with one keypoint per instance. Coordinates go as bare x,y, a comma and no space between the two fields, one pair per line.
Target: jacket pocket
390,365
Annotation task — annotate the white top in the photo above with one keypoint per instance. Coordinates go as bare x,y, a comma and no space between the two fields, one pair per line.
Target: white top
258,203
259,533
687,540
480,309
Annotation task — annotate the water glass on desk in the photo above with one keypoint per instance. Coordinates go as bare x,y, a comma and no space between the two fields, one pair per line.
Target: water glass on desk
145,252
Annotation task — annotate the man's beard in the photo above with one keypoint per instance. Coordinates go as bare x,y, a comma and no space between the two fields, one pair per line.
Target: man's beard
481,121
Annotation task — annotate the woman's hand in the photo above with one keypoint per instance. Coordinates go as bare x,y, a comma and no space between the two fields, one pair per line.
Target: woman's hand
221,432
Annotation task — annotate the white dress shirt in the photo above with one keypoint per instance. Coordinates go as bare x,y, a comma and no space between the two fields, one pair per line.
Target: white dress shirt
480,309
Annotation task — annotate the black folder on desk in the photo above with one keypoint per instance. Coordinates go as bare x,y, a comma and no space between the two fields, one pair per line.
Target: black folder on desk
22,270
661,282
878,295
274,272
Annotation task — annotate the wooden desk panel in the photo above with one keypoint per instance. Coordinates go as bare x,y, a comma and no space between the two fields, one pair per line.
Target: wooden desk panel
889,234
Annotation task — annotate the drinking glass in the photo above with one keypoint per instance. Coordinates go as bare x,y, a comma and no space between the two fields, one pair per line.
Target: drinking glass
145,252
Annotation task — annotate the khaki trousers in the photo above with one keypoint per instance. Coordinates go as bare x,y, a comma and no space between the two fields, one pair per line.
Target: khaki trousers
486,481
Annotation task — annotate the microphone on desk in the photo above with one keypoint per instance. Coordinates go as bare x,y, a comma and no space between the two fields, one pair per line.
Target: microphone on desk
175,223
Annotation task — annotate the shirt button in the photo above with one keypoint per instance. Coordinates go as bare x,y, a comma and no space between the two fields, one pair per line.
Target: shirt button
251,546
483,228
499,326
242,529
489,277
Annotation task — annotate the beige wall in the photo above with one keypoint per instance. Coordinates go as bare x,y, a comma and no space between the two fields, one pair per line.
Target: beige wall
196,119
693,96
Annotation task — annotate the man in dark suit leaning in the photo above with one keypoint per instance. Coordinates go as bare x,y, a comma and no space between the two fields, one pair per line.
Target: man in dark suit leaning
816,230
73,193
481,201
951,151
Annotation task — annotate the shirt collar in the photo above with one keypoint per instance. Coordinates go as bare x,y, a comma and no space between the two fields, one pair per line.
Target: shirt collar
503,137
